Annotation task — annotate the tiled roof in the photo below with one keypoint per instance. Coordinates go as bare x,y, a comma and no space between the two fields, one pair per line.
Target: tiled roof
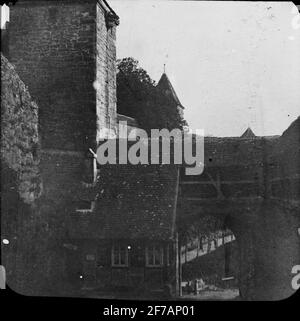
248,133
137,201
165,85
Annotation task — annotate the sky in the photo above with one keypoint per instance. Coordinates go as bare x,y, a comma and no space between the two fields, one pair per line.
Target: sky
4,15
232,64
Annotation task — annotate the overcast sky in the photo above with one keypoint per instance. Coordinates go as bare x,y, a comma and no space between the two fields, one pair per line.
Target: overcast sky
232,64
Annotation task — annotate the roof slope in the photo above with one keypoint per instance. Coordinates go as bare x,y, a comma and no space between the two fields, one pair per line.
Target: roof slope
137,201
248,133
165,85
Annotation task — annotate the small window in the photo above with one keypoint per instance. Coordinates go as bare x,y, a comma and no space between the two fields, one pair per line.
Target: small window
119,255
154,256
84,206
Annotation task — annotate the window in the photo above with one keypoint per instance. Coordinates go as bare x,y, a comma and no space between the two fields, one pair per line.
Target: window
85,206
154,255
119,255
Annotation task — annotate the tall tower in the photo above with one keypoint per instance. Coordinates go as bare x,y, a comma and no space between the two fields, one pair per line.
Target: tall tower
65,53
166,87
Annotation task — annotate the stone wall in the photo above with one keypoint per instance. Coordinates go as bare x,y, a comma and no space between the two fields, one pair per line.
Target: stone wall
20,183
105,74
19,132
252,186
52,47
59,50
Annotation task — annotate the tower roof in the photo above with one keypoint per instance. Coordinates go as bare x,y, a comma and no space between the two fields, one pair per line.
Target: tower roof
248,133
165,85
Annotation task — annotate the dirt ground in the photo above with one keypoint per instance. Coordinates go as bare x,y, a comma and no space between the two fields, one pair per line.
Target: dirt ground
209,295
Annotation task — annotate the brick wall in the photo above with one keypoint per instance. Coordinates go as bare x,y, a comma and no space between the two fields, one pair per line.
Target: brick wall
52,47
59,50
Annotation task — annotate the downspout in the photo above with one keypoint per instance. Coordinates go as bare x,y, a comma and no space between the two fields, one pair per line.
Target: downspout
175,204
178,270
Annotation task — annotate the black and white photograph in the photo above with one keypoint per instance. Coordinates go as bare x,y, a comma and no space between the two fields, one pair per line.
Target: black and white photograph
150,151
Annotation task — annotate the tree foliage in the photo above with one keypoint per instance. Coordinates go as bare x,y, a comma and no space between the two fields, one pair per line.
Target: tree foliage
139,98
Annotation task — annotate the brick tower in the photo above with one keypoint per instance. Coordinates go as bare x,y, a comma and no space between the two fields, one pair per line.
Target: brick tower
65,53
60,48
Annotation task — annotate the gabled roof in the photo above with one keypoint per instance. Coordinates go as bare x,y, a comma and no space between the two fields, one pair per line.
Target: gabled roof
248,133
165,85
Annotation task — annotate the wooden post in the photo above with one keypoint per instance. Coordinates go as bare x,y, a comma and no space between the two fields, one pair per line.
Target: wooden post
201,243
177,248
177,255
227,253
180,271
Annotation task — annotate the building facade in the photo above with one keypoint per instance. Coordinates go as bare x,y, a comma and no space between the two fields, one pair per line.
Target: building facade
66,55
117,227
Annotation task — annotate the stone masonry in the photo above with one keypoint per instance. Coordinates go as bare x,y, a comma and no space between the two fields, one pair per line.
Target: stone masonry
65,53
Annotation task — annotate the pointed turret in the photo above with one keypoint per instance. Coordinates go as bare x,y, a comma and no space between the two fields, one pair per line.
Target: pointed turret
165,85
248,134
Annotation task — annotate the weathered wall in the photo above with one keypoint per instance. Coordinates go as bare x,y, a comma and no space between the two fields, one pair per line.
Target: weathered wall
59,50
53,49
280,216
276,249
252,187
105,73
20,182
99,273
19,132
284,169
